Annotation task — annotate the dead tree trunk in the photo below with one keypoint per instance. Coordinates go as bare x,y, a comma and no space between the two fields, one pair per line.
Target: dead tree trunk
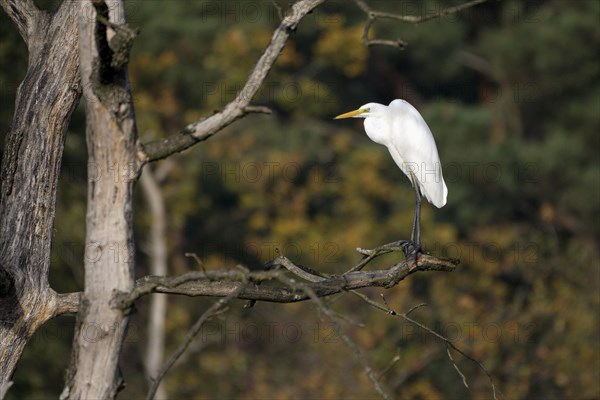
30,169
112,169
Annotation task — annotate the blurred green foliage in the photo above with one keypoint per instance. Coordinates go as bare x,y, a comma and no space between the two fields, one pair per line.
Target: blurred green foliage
510,89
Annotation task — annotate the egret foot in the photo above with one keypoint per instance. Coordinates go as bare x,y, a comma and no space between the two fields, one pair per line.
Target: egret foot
409,248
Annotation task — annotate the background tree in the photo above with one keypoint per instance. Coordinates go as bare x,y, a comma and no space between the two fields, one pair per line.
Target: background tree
507,114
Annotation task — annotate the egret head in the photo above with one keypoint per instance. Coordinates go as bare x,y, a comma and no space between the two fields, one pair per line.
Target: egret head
370,110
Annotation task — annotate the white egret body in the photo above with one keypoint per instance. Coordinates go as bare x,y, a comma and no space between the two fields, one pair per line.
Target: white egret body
405,133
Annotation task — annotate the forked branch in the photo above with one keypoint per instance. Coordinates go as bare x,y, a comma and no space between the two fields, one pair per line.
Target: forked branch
333,318
449,344
244,284
216,308
373,16
223,282
238,107
23,13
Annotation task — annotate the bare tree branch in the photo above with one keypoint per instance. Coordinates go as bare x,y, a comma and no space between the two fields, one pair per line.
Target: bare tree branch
464,378
400,245
301,271
385,308
351,343
112,135
414,368
216,308
4,386
238,107
223,282
29,171
390,365
23,13
67,303
373,16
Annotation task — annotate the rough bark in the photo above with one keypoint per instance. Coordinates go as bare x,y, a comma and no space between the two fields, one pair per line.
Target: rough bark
223,282
30,169
112,170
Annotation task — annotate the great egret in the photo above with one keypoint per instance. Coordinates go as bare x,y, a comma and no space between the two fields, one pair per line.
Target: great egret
405,133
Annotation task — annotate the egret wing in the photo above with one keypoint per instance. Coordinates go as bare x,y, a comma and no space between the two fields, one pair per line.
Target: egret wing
413,148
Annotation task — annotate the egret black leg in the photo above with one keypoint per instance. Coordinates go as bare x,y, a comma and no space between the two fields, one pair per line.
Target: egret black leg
413,247
415,235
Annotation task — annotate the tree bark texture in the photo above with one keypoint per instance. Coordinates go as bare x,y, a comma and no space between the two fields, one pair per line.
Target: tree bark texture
30,168
112,170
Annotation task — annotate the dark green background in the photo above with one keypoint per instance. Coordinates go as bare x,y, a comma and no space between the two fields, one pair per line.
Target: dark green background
510,90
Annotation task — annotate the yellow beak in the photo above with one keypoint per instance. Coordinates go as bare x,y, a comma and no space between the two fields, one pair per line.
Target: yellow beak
350,114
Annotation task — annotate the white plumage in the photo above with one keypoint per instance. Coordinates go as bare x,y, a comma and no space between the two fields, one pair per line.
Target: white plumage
402,129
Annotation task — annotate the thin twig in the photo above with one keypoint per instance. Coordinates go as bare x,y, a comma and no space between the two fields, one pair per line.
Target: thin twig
301,271
448,342
415,307
370,254
349,342
464,379
398,379
372,16
348,320
278,8
417,19
216,308
198,261
388,367
453,346
257,110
